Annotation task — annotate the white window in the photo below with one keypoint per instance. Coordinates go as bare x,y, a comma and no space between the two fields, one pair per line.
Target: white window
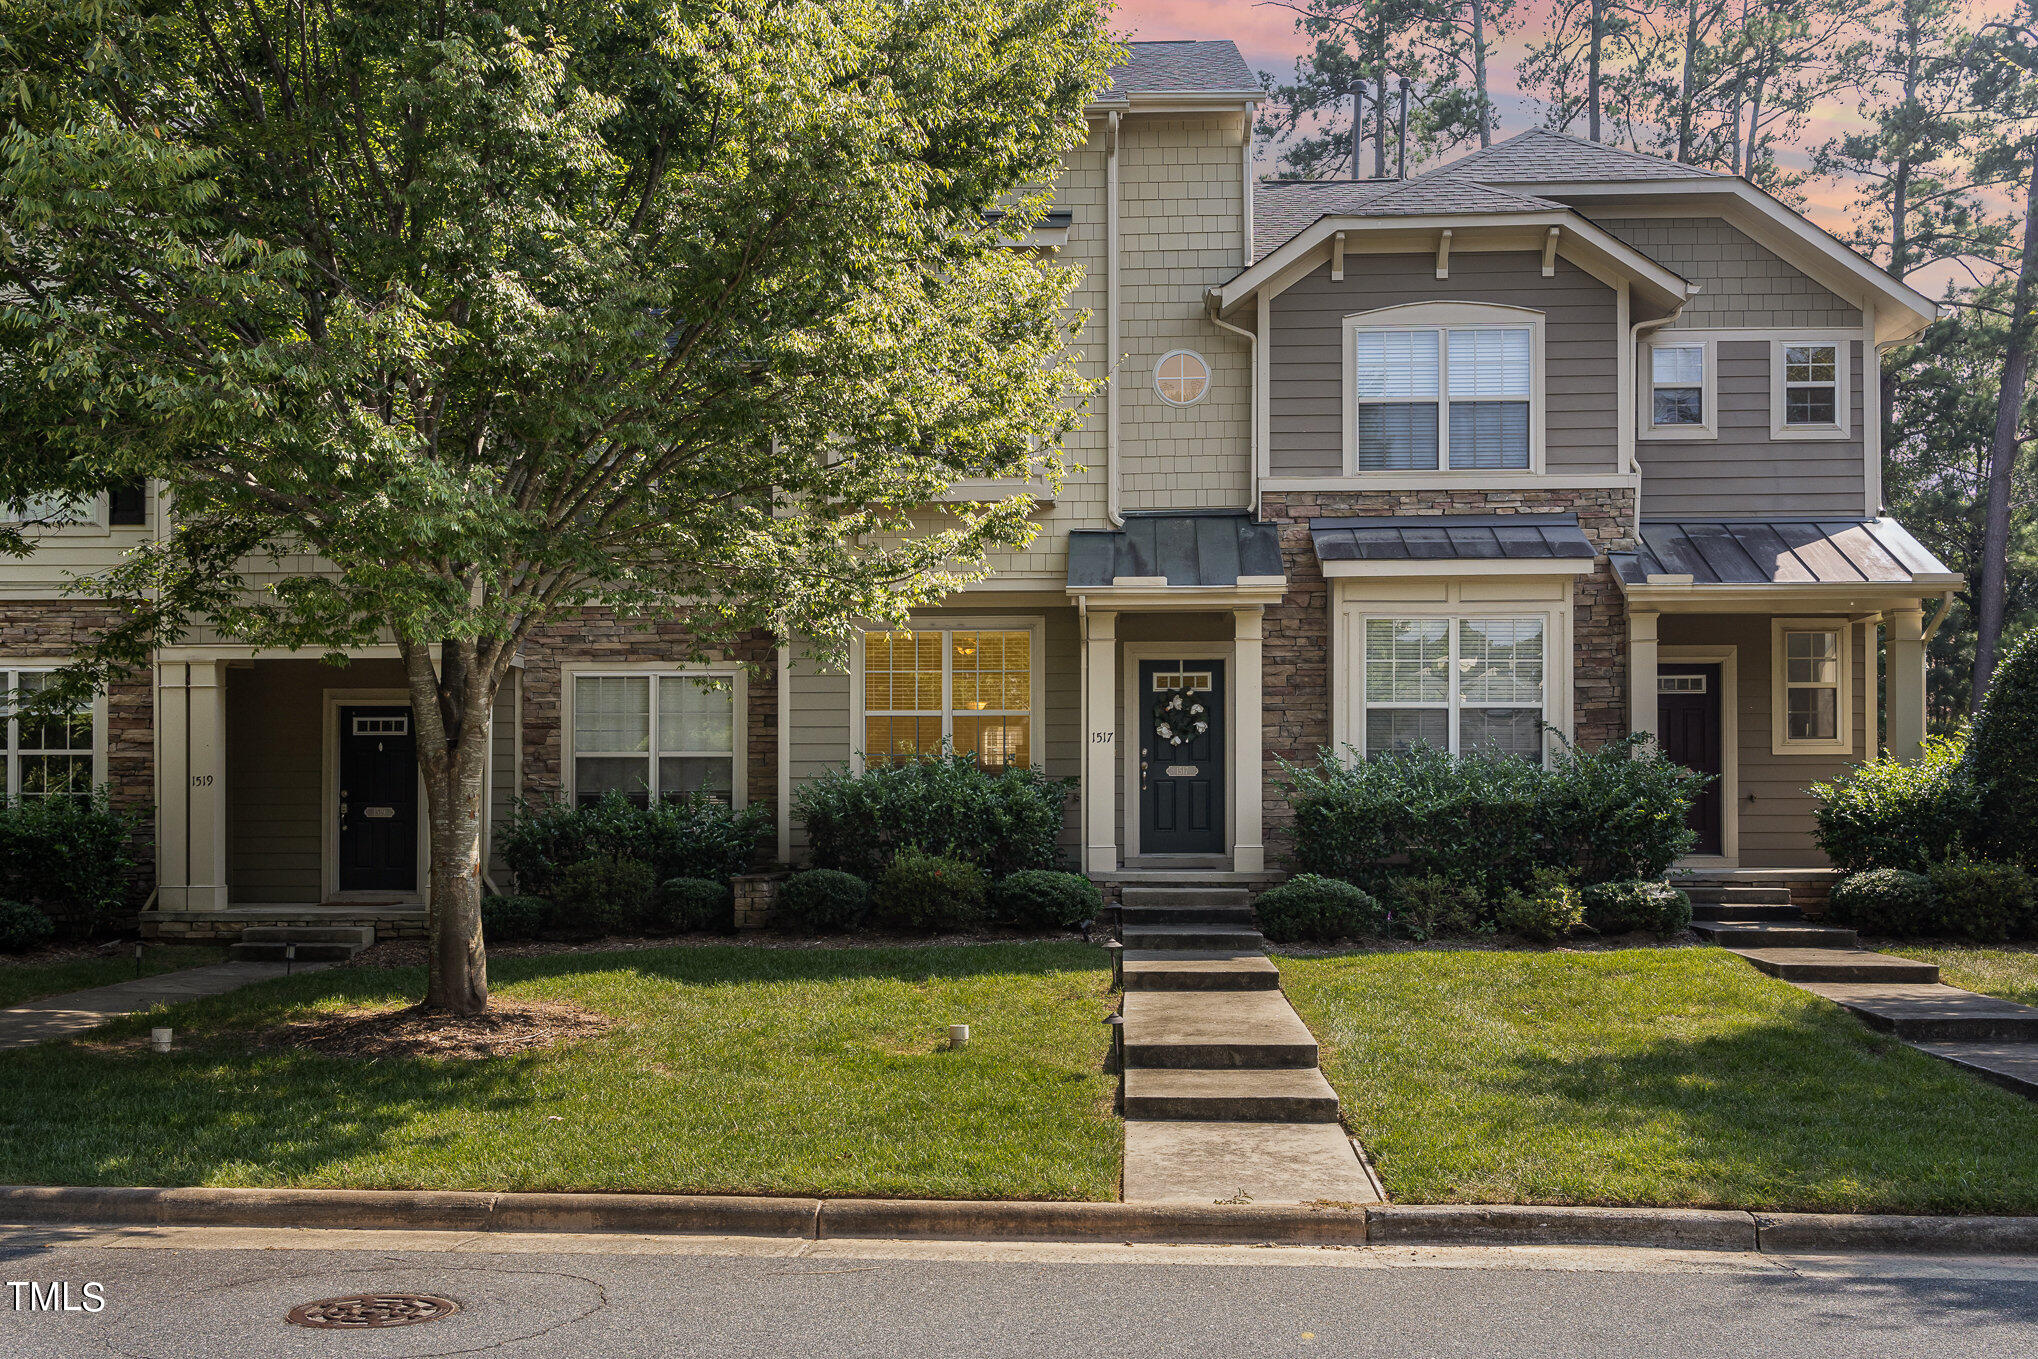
1462,397
1466,685
1808,389
675,732
976,687
54,756
1809,673
1182,377
1678,398
52,510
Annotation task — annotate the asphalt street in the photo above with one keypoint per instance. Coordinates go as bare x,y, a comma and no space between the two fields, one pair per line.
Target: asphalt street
225,1294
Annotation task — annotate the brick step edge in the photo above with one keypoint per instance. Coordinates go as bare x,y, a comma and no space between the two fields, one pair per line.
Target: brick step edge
1301,1224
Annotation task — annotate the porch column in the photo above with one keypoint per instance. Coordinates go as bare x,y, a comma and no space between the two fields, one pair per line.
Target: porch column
191,786
1100,743
1906,735
1248,853
1642,671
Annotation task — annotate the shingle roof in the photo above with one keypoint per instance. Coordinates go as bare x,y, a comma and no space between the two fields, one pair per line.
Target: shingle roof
1781,552
1187,549
1180,68
1450,537
1540,156
1280,211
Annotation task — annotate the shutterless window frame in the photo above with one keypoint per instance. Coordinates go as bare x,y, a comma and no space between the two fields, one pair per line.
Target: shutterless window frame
947,627
734,674
1443,318
1645,369
11,671
1781,743
1453,704
1779,384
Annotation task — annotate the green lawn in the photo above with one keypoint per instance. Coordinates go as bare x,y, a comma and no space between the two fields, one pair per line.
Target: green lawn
26,981
2005,971
1648,1076
733,1070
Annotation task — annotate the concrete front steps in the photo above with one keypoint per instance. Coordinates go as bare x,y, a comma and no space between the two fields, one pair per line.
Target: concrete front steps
311,943
1222,1098
1993,1038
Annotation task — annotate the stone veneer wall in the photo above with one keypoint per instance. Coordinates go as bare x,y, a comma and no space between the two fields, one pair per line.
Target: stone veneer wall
599,637
1296,657
52,630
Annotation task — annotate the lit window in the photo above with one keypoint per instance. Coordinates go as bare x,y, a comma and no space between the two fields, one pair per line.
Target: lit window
1466,685
1181,377
1406,378
47,756
1811,385
1677,385
1810,673
690,747
973,687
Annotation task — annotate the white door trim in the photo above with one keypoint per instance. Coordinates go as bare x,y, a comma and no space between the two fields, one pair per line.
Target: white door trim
1727,658
1134,653
329,800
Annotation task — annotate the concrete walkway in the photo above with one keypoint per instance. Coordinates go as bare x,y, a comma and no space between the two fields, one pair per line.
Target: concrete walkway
1223,1101
59,1016
1993,1038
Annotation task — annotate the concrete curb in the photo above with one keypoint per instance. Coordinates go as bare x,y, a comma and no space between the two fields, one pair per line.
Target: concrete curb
934,1219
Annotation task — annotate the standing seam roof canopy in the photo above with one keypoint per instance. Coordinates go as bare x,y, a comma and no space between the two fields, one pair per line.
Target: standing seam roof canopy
1450,537
1783,552
1188,550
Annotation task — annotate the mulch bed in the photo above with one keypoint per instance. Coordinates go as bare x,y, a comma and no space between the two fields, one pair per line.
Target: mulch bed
509,1027
411,952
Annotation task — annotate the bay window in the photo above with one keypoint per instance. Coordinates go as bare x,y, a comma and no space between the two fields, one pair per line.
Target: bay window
1471,686
673,732
47,756
1456,397
974,687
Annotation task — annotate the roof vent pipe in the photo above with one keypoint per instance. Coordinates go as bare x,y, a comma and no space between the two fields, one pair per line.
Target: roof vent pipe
1401,161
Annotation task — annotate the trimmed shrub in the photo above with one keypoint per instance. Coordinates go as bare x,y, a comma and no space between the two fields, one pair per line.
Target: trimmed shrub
23,926
2002,758
1982,901
1040,898
1430,907
686,837
821,900
922,891
1614,813
1002,822
1883,901
504,919
1889,815
72,857
696,904
1639,904
1547,910
603,894
1318,909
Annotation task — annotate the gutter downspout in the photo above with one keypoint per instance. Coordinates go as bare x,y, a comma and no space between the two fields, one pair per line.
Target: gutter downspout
1635,333
1111,508
1252,499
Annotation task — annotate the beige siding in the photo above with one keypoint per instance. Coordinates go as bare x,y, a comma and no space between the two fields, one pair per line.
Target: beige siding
1581,341
1746,474
504,773
818,729
1775,805
1742,285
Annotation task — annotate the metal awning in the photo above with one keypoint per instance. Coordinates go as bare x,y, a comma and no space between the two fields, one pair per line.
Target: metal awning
1877,554
1451,543
1178,553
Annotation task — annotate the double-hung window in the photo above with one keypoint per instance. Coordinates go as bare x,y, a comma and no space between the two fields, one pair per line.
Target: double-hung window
1810,714
1452,397
672,732
1808,389
1678,400
974,687
1471,686
47,755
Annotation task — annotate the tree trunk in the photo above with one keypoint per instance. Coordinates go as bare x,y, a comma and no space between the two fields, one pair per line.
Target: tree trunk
1479,71
450,706
2002,453
1592,69
1380,37
1688,79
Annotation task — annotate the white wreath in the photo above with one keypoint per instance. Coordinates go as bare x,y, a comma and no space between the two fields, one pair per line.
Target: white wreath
1180,717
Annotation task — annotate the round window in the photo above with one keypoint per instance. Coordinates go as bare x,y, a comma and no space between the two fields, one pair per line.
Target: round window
1181,377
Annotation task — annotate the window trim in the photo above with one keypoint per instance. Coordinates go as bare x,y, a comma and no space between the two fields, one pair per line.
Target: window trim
1036,624
94,524
735,672
1209,377
1443,317
1780,742
1708,426
1557,664
1843,387
10,752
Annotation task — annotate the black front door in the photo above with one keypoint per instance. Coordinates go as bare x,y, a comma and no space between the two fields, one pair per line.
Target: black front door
378,801
1688,727
1181,787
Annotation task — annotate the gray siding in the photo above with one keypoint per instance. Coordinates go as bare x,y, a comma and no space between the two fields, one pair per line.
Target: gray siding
1742,285
1744,473
817,728
1581,341
1775,803
505,782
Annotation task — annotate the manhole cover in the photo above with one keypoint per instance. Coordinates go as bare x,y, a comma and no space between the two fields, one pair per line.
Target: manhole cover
373,1309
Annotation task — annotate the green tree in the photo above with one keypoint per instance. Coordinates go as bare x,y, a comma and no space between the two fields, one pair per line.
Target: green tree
502,310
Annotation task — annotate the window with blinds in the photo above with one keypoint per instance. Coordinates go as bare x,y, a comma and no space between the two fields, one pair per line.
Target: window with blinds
1425,394
972,687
